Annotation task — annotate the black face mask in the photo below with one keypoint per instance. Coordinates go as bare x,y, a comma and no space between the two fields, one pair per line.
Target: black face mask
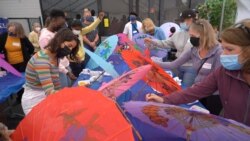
62,52
56,28
195,41
12,34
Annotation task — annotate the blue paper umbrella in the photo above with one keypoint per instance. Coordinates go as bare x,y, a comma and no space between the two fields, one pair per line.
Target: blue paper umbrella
106,66
104,50
189,125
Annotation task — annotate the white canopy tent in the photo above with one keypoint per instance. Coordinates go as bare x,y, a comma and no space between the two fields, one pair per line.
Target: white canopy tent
243,9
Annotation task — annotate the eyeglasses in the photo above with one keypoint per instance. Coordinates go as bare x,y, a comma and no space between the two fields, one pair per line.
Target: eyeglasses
243,27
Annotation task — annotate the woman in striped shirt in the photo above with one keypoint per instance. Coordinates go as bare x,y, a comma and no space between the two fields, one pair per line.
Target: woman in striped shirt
42,74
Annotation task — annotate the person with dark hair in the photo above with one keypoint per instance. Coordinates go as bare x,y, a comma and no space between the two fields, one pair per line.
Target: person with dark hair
56,22
42,72
81,31
134,14
133,26
77,66
232,79
78,17
65,74
47,21
93,14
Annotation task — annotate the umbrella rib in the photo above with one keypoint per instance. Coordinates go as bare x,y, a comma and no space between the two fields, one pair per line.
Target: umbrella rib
114,85
228,130
120,132
136,132
42,123
208,137
140,90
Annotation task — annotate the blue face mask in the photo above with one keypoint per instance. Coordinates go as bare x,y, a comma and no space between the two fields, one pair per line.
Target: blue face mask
184,26
230,62
132,18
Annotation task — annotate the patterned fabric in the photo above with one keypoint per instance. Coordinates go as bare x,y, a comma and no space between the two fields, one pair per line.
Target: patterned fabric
41,74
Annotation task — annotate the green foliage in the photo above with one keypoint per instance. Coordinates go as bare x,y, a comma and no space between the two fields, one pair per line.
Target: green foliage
211,10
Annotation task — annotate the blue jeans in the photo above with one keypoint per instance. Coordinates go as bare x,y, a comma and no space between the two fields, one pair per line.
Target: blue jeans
187,74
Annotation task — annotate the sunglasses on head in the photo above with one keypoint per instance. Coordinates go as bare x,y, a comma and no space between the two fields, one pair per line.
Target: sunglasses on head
242,27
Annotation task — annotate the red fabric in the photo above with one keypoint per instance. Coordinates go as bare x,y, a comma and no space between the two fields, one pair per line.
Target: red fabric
156,77
74,114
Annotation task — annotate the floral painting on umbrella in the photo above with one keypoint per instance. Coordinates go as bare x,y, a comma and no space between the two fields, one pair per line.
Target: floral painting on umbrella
187,124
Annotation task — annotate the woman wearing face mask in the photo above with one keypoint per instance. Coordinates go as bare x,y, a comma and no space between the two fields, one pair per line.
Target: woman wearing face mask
77,66
179,41
80,31
33,36
149,27
204,56
42,73
16,46
133,26
232,79
57,21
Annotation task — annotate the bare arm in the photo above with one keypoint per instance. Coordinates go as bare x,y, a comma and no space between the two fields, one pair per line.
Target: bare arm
93,25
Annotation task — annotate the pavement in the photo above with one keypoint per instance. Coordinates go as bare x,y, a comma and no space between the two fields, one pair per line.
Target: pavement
11,115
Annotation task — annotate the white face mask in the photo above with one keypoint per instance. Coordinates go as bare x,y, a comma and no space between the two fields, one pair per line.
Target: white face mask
76,32
37,28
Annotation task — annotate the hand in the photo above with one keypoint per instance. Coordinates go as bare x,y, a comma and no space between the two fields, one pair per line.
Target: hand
101,15
154,97
2,56
147,40
71,76
92,44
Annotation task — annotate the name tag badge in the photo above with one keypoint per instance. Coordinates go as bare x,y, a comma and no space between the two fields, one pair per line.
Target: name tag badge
16,44
207,66
134,31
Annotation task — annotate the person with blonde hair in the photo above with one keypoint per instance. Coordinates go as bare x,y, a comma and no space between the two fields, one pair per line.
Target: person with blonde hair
16,46
149,27
232,79
180,42
34,36
204,56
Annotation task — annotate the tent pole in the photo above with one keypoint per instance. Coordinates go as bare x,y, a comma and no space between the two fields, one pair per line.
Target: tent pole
222,15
